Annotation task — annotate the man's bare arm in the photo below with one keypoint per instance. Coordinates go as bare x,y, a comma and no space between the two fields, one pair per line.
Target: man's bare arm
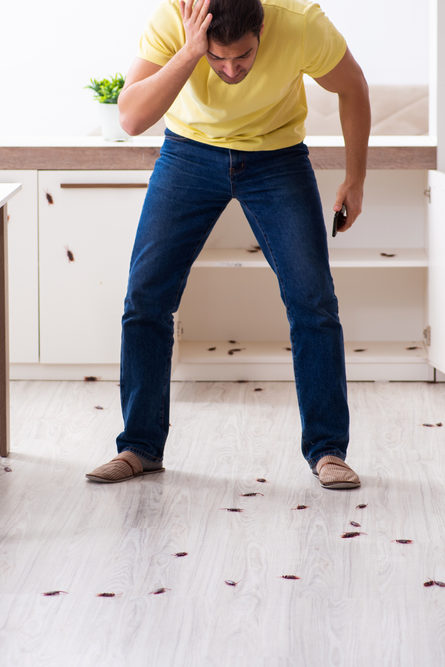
150,89
348,81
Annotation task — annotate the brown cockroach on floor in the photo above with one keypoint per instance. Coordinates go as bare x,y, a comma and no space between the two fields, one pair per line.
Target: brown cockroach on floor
180,554
388,254
289,576
353,534
54,592
261,479
433,425
258,389
49,198
232,342
251,493
211,349
403,541
98,407
440,583
158,591
69,254
235,349
289,349
355,524
108,595
360,349
361,506
90,378
232,509
7,469
428,583
300,507
412,347
230,582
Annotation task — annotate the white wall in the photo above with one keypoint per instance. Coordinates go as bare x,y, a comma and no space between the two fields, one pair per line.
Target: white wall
50,49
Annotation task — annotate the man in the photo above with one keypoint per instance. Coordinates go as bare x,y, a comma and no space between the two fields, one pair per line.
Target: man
227,75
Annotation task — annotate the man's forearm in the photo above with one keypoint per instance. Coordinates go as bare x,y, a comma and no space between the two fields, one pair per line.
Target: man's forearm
355,116
144,102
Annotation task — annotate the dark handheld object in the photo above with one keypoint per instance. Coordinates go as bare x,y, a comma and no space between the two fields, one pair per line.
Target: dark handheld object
339,220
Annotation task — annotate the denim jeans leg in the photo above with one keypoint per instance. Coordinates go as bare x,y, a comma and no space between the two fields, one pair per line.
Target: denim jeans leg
185,197
280,198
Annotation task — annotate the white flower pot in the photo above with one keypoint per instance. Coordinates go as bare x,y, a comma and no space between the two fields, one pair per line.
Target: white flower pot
109,121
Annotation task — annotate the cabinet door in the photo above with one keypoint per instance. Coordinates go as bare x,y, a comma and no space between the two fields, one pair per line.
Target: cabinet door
436,271
87,225
23,268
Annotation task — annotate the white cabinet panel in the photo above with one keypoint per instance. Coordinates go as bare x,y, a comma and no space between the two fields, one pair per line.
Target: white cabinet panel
23,268
436,277
88,222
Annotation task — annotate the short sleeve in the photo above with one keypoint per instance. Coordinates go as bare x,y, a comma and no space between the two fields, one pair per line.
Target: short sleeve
324,46
163,35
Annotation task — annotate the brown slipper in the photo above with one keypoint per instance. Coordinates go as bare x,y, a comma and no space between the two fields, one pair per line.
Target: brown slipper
125,465
334,473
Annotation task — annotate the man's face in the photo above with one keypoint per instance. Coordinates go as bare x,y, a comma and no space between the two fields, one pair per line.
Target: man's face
233,62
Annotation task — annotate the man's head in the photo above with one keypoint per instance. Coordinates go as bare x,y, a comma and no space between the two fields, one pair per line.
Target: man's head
234,37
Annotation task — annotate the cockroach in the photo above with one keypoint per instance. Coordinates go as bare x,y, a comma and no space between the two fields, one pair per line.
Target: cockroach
179,554
433,425
106,595
230,582
49,198
7,469
388,254
261,479
258,389
355,524
252,493
158,591
353,534
70,255
289,349
231,509
98,407
235,349
439,583
289,576
360,349
430,582
300,507
360,507
242,381
232,342
403,541
413,347
54,592
90,378
211,349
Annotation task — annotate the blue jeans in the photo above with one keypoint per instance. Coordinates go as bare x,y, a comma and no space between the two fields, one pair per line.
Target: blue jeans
190,186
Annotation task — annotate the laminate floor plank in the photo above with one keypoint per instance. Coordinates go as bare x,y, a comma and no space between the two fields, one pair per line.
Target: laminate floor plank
358,601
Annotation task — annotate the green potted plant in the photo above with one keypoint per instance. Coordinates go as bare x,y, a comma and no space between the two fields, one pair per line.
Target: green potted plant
106,92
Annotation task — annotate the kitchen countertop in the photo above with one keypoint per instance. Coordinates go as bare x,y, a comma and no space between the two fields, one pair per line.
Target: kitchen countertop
141,152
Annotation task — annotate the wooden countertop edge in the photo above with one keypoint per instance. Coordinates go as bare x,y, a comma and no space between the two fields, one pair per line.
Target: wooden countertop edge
142,157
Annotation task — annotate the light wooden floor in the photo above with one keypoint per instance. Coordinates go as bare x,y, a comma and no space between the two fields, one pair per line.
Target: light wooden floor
360,602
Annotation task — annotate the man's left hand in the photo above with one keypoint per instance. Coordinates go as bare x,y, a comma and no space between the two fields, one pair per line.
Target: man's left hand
352,197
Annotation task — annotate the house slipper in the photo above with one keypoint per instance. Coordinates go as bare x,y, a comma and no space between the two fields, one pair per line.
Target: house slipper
334,473
125,465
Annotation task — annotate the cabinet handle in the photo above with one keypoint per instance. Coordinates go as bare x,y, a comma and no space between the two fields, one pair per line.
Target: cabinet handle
103,185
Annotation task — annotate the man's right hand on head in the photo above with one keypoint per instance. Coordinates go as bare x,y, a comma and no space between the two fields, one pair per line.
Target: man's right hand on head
196,20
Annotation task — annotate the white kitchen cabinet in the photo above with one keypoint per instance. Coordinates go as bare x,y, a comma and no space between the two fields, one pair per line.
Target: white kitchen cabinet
87,224
380,270
23,267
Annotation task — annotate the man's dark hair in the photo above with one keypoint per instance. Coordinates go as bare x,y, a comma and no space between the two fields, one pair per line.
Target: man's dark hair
232,19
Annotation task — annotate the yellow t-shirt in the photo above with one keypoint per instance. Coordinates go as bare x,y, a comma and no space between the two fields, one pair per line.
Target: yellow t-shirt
267,109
